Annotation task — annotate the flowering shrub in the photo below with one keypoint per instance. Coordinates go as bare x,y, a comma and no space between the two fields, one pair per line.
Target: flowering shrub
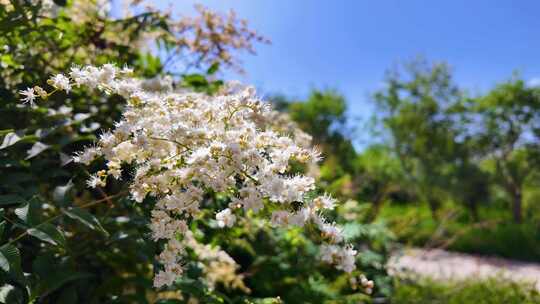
64,242
185,144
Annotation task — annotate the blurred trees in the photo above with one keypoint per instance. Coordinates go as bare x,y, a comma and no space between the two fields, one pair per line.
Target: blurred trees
508,134
442,145
444,138
422,113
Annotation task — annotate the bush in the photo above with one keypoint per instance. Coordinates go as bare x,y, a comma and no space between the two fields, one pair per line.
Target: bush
66,243
473,292
494,235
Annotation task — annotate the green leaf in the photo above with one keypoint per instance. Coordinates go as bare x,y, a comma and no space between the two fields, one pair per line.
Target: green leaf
60,2
11,199
53,273
85,218
195,80
29,213
2,228
65,159
213,68
37,148
68,296
9,140
10,260
6,131
60,192
12,295
48,233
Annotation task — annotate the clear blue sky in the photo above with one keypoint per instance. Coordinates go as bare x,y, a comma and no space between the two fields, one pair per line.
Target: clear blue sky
347,45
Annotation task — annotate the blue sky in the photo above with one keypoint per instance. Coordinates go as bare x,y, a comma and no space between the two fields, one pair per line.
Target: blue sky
348,45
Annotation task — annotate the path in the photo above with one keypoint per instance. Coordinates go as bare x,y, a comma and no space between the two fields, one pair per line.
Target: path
442,265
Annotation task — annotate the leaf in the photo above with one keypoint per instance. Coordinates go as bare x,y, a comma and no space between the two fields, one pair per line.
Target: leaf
195,80
2,228
85,218
12,295
6,131
48,233
60,192
37,148
58,279
53,272
60,2
9,140
80,117
29,213
10,259
213,68
10,199
68,296
65,159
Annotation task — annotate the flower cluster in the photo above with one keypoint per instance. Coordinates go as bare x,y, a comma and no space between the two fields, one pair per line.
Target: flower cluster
184,145
216,264
214,37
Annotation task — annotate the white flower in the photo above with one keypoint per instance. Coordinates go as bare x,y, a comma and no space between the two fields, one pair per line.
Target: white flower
225,218
30,96
95,181
332,232
164,278
342,257
60,82
324,202
87,156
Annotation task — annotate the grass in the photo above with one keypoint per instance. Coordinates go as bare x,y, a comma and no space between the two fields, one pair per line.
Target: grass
426,291
495,234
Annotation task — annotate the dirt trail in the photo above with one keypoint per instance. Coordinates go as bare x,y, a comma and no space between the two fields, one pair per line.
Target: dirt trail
442,265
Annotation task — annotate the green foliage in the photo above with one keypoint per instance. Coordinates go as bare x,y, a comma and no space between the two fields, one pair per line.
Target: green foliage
423,115
494,235
477,292
457,148
510,134
508,240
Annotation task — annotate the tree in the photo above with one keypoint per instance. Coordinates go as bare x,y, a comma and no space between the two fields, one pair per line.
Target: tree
427,120
417,111
379,176
508,132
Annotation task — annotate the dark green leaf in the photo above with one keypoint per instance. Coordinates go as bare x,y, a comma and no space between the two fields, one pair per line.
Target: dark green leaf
57,279
2,228
60,2
68,296
11,294
85,218
48,233
213,68
29,213
10,199
10,259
